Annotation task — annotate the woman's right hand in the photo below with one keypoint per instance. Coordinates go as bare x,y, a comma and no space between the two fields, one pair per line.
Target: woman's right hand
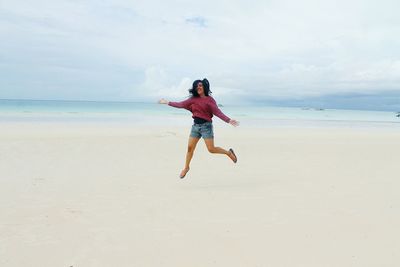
163,101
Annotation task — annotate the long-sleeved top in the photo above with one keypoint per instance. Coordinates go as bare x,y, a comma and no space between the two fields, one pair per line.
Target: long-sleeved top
201,107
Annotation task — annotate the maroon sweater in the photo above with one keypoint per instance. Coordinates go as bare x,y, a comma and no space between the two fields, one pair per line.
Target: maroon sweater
201,107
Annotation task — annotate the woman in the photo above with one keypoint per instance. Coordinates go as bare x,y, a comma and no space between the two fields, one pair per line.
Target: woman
203,107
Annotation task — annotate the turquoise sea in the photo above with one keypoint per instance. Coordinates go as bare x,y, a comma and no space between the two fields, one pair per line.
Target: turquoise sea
133,113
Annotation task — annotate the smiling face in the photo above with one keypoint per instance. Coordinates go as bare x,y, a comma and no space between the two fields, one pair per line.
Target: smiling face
200,89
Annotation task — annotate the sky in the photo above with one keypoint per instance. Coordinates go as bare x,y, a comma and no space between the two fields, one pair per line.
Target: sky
277,51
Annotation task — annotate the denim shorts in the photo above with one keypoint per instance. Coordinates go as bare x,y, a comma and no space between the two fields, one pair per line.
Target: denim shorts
204,130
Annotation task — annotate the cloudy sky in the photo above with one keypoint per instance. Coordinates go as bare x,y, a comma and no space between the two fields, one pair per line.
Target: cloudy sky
142,50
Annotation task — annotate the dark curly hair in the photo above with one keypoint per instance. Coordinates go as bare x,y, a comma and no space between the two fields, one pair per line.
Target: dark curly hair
206,86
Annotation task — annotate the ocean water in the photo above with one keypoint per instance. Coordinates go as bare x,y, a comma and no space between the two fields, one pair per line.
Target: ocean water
133,113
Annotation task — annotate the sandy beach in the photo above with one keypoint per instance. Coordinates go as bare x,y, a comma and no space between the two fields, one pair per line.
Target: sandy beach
100,195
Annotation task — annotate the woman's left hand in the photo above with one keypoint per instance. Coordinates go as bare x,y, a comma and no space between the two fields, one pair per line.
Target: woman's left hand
234,122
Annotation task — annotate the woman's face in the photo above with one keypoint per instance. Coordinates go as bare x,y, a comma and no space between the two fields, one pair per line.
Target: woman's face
200,89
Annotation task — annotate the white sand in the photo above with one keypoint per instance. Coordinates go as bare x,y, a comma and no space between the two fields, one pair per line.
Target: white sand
110,196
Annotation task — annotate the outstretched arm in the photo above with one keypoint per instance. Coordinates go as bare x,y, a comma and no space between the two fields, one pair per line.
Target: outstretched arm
217,112
183,104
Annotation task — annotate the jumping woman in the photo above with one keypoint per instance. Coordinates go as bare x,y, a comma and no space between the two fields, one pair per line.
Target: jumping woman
203,107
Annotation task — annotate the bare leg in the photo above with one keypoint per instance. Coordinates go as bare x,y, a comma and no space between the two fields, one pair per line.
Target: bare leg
217,150
191,147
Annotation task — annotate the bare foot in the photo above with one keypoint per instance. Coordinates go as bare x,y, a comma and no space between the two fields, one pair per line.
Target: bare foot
183,173
232,155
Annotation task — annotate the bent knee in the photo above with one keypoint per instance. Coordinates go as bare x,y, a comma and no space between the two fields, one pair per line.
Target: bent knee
211,149
190,149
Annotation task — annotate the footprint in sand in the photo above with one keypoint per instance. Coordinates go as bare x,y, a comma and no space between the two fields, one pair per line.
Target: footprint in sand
166,134
38,180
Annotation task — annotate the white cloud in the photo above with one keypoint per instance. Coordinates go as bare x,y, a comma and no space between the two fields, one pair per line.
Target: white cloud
158,85
156,48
